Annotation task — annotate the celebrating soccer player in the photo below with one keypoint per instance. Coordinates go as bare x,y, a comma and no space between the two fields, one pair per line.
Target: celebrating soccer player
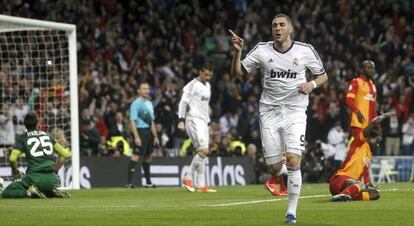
284,99
345,184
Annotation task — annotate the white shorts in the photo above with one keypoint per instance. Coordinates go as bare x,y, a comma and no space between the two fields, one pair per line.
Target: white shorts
197,130
282,129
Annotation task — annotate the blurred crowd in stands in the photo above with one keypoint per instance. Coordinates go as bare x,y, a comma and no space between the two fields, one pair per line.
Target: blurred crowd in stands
165,41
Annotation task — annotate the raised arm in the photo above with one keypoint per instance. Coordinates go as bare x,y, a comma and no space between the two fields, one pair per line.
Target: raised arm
376,121
237,43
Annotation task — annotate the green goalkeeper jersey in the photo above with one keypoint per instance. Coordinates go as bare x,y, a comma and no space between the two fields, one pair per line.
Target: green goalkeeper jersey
38,146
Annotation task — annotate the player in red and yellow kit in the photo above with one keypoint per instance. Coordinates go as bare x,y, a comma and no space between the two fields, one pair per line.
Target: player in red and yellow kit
346,184
361,98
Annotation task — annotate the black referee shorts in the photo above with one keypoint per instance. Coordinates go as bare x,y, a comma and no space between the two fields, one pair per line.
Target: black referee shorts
147,143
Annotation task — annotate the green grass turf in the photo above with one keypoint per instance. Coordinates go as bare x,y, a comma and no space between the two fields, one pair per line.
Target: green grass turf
175,206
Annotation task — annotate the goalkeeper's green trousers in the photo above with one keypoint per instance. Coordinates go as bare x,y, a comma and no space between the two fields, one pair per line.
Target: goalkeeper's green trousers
18,189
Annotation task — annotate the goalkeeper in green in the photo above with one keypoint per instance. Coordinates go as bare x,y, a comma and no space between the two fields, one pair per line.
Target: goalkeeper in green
41,179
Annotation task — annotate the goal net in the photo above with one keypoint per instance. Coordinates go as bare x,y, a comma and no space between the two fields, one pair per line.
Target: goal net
38,73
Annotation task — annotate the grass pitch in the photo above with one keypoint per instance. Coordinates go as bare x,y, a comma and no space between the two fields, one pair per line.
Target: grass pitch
238,205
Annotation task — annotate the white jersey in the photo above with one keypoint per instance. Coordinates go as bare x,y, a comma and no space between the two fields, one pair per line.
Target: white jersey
283,71
195,100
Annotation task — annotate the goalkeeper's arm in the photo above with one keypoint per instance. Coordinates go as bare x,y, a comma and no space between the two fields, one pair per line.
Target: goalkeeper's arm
13,162
63,155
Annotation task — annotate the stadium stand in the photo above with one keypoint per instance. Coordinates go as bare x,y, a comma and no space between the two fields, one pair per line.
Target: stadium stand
120,43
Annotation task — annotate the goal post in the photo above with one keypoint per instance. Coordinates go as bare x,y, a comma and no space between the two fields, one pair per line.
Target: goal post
45,53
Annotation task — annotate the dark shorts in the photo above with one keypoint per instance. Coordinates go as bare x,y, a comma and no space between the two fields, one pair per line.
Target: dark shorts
147,143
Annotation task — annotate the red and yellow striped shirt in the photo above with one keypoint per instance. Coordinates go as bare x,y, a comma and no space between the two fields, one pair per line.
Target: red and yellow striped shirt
358,159
364,95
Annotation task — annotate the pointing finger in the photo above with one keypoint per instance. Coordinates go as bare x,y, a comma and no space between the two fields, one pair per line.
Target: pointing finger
232,33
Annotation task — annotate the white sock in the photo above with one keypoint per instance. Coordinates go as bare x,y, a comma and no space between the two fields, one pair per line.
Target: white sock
201,180
193,166
283,170
294,185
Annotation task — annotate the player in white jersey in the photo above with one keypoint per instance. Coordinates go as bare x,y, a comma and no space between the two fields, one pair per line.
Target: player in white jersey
284,99
193,114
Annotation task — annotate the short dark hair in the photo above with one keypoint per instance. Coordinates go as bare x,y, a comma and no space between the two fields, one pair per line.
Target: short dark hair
31,120
207,66
284,16
142,82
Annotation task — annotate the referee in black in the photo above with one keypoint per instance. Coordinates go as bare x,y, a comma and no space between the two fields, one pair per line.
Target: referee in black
145,135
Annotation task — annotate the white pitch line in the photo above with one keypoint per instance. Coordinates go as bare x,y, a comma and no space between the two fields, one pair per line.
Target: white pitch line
266,200
282,199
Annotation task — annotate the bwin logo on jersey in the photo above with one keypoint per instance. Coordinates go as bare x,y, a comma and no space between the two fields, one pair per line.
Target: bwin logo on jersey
283,74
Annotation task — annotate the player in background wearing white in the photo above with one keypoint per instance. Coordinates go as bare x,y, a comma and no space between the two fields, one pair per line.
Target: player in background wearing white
284,99
194,118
